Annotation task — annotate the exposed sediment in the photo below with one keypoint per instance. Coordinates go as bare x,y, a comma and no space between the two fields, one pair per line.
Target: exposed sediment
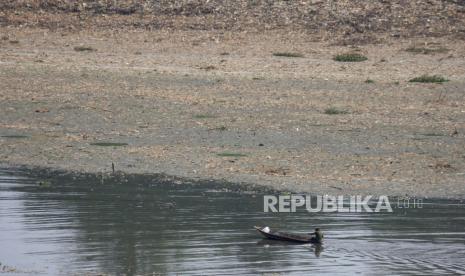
271,108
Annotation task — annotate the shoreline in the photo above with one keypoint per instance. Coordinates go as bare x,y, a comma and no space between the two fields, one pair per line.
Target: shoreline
48,173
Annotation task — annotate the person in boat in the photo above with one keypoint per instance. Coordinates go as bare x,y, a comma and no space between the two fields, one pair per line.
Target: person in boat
318,236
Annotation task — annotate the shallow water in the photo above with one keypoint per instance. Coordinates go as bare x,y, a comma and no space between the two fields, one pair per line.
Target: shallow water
140,225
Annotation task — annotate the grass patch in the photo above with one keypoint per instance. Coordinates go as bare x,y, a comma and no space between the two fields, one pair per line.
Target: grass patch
319,125
369,81
231,154
429,79
83,49
203,116
221,128
288,54
108,144
44,183
426,51
15,136
433,134
334,111
208,68
350,57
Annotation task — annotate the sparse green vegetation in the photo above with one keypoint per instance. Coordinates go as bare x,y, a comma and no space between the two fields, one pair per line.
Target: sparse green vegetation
350,57
426,51
14,136
108,144
44,183
335,111
429,79
288,54
221,128
83,49
433,134
203,116
369,81
319,125
208,67
231,154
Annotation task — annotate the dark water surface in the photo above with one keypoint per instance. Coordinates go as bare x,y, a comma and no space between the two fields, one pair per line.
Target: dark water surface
141,225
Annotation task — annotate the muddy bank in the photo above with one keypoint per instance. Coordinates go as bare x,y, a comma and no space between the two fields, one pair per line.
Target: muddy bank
231,106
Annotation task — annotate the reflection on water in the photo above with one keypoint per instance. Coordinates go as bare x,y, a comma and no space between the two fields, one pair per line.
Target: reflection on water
140,225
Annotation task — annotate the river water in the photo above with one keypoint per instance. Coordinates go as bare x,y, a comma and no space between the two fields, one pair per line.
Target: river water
145,225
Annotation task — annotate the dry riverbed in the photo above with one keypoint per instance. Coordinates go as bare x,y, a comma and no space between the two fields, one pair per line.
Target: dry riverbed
272,109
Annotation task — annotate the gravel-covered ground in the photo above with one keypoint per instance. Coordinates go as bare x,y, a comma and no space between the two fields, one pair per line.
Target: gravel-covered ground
341,21
219,104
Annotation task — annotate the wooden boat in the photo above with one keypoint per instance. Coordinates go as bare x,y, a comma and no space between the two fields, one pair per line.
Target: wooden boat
284,236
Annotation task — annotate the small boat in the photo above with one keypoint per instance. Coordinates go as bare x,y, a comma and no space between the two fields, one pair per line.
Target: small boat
284,236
